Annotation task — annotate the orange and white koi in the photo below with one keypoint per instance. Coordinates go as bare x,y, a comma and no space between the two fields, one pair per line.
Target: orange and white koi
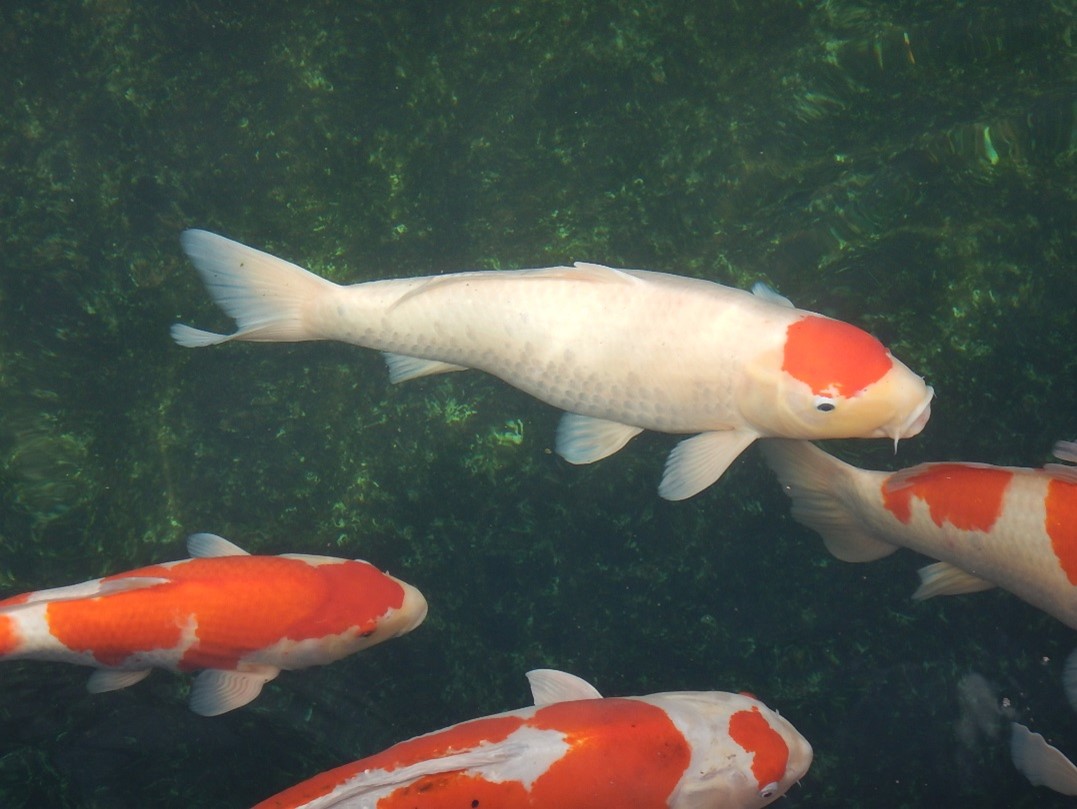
240,618
1009,527
575,750
621,351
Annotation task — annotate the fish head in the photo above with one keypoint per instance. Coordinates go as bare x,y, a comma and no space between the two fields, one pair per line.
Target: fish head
744,755
410,613
829,379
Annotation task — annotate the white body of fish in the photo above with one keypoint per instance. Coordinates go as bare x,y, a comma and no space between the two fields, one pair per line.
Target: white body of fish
621,350
1011,527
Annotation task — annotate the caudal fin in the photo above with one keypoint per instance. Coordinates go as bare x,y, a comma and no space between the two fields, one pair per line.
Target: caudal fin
813,479
265,295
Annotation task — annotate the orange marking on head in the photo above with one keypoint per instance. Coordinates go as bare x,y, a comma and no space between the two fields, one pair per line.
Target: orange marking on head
833,358
239,604
770,754
1061,524
967,496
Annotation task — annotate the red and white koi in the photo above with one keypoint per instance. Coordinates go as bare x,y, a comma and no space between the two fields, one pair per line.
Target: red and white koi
240,618
575,750
621,351
1009,527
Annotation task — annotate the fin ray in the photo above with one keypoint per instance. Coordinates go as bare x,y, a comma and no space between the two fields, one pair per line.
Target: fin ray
1042,764
945,579
104,680
403,368
265,295
812,479
586,439
699,461
216,691
551,685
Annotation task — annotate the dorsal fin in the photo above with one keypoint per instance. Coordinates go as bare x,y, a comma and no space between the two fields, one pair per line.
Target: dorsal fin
205,546
550,685
761,290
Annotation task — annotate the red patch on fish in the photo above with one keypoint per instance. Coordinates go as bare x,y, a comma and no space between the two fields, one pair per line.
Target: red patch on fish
611,742
239,604
833,358
9,636
1061,524
967,496
654,746
770,753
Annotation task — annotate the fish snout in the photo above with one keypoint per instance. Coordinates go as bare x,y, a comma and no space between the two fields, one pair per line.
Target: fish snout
412,611
914,421
800,759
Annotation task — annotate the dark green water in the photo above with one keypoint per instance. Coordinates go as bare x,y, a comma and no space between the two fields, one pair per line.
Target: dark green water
907,166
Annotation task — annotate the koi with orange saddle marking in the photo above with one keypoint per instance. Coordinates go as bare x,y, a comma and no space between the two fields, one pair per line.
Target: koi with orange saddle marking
1010,527
575,750
239,618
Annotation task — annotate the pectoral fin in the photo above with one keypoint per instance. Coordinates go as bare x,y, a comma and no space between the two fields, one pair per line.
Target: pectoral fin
104,680
215,691
697,462
585,439
943,579
1040,763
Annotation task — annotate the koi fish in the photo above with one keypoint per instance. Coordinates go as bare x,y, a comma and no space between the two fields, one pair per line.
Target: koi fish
239,617
989,526
575,750
621,351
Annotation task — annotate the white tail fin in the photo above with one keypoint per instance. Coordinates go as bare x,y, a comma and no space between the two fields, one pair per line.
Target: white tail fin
814,481
265,295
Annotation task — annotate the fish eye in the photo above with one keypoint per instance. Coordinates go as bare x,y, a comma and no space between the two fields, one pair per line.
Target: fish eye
824,404
769,790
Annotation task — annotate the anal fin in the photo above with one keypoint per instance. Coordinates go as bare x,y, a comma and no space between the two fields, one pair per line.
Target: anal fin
585,439
104,680
944,579
403,368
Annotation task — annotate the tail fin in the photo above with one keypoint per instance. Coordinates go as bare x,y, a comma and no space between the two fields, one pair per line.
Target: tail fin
265,295
814,481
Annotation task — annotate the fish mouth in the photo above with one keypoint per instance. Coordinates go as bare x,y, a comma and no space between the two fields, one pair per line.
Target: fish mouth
916,422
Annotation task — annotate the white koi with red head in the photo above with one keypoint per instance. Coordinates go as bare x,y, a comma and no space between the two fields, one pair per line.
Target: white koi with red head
1010,527
241,619
621,351
575,750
